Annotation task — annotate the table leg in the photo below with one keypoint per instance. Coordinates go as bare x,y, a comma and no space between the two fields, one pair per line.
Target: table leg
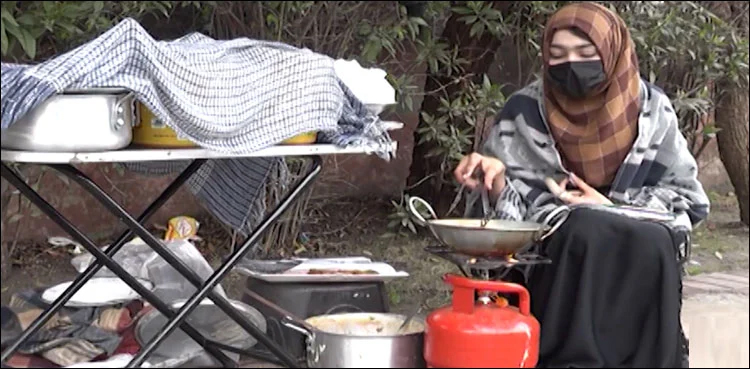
225,268
101,258
207,289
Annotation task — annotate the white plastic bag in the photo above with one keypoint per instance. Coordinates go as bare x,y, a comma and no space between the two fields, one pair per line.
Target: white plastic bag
138,259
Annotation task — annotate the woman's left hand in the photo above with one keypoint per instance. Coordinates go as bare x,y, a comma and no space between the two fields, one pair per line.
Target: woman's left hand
585,194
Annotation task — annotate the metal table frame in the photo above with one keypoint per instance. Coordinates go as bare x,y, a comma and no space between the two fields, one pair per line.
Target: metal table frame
63,163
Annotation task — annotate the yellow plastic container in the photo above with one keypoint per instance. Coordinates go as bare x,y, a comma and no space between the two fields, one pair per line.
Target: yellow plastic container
150,131
302,139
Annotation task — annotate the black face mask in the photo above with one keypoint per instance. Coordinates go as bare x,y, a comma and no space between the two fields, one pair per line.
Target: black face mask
577,79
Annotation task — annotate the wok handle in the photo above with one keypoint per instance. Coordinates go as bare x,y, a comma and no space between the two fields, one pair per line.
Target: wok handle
550,218
419,218
463,292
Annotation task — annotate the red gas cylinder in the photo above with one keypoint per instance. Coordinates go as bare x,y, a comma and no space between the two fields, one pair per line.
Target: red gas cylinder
482,334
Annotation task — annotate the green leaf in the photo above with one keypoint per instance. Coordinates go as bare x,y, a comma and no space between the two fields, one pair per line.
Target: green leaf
419,21
14,30
98,6
412,228
271,19
462,10
6,16
486,82
469,19
392,224
3,39
28,43
48,6
27,20
477,29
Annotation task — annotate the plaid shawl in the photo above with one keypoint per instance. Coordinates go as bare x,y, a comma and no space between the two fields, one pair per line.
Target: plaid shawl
596,133
659,172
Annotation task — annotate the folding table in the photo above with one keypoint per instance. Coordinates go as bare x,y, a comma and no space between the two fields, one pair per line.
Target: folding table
63,163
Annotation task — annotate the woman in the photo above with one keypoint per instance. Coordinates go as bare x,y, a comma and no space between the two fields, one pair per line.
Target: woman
612,295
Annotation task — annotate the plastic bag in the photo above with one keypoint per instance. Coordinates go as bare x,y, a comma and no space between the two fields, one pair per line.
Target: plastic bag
138,259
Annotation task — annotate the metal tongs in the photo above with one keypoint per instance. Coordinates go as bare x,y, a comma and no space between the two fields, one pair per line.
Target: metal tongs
488,211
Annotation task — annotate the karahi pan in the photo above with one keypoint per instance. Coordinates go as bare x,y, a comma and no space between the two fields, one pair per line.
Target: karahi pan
493,239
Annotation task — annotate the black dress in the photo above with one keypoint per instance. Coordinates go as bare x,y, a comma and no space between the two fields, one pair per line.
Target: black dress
611,297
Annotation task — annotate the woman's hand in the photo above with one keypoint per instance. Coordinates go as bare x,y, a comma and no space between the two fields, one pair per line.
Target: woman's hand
493,171
585,194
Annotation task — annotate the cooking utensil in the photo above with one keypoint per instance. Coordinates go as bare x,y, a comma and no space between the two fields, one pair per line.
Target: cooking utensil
355,340
488,211
98,119
409,318
362,340
495,238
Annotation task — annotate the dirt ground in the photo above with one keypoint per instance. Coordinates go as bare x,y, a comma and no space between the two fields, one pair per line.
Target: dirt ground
359,228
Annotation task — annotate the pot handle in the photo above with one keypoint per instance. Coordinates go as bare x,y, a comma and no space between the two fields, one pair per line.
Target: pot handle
419,218
118,119
564,210
301,328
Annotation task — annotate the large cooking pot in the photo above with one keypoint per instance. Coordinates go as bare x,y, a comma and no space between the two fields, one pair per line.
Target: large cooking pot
488,237
97,119
361,340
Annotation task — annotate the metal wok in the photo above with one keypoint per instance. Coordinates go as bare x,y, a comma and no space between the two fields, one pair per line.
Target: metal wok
495,238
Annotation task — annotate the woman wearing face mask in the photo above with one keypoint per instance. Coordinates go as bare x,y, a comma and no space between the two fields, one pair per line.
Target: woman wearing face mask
612,295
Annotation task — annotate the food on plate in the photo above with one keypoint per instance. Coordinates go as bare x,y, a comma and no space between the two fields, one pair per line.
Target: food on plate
340,271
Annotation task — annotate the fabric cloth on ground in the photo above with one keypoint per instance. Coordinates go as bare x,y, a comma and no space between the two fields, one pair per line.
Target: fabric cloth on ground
611,297
73,335
233,96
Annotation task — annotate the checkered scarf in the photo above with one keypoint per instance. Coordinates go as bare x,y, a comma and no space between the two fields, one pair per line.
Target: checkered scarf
595,134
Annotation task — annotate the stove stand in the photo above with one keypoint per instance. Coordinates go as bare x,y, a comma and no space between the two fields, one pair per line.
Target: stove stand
487,268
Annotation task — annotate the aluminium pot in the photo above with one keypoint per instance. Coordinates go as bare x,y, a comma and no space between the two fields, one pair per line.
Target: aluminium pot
98,119
361,340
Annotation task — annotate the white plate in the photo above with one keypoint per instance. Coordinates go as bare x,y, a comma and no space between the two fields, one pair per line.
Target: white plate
96,292
322,278
299,273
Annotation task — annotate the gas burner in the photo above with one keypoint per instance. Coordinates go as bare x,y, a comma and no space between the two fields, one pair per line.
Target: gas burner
489,268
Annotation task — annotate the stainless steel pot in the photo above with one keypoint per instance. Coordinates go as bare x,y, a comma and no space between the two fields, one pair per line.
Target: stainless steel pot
75,121
362,340
477,237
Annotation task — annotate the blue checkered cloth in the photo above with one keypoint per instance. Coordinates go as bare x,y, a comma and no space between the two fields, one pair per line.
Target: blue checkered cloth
235,96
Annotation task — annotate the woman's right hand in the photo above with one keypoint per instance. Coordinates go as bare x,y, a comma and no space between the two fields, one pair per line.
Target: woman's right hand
493,171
